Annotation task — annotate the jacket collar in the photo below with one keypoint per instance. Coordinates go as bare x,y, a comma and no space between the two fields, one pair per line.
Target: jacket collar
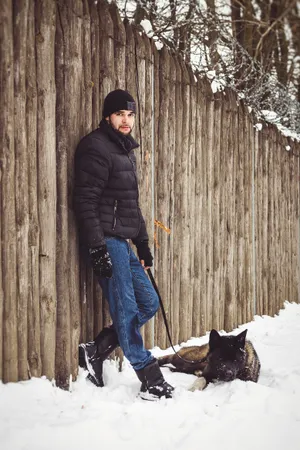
127,143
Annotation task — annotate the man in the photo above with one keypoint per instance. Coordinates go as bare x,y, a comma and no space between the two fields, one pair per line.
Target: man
107,207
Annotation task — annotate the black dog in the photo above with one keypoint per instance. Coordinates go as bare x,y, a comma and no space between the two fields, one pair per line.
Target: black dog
224,358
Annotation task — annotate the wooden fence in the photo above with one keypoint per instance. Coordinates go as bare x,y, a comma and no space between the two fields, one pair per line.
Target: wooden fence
229,193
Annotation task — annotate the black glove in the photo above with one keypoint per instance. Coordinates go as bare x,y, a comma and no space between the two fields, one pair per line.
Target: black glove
101,261
144,253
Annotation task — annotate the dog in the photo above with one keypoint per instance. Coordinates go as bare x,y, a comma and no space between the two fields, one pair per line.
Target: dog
223,358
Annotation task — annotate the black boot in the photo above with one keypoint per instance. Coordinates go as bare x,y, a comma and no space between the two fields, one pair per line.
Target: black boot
92,354
154,386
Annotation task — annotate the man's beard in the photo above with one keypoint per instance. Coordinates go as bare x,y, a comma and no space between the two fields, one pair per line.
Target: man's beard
119,130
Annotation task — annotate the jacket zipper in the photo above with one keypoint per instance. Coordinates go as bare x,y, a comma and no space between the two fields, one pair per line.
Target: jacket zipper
115,214
137,200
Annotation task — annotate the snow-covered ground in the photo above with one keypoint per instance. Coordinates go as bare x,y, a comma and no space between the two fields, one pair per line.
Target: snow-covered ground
35,415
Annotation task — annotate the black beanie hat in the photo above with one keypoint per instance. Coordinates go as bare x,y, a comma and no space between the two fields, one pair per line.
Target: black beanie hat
116,101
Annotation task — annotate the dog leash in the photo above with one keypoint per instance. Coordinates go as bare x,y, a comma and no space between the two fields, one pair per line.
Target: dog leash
166,322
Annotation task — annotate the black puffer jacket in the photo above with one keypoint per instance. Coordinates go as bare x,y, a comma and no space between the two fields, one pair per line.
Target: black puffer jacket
106,198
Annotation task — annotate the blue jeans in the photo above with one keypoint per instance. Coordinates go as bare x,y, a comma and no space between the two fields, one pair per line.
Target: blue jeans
132,300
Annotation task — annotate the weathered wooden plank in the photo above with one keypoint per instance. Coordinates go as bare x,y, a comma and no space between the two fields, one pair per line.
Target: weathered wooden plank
107,82
171,133
177,244
191,196
162,193
8,219
230,311
216,212
156,116
226,212
251,226
258,220
284,222
119,46
248,254
96,56
34,346
240,196
147,173
264,217
200,298
46,144
87,80
185,297
277,224
68,125
20,19
63,344
130,61
295,194
210,212
86,126
204,99
104,52
271,225
198,293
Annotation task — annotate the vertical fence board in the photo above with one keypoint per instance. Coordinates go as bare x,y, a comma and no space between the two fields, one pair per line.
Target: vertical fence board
68,311
46,144
227,212
240,222
204,105
86,126
162,192
146,175
289,227
198,205
96,55
21,166
252,229
106,55
177,243
8,219
248,253
119,46
87,279
34,345
171,157
264,219
191,197
216,213
295,187
209,199
200,298
156,116
185,298
278,230
107,83
62,51
271,222
258,215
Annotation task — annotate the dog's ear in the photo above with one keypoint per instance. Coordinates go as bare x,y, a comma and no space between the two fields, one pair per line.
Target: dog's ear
214,339
241,339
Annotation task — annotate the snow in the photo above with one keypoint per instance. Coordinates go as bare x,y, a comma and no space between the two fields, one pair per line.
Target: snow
35,415
258,126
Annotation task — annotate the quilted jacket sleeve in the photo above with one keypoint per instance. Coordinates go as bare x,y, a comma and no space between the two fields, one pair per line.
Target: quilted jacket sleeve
143,235
92,167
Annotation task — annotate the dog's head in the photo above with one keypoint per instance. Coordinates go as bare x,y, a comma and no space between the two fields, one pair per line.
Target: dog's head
226,356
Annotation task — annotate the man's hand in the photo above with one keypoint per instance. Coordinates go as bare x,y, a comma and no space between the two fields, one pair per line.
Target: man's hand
101,261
